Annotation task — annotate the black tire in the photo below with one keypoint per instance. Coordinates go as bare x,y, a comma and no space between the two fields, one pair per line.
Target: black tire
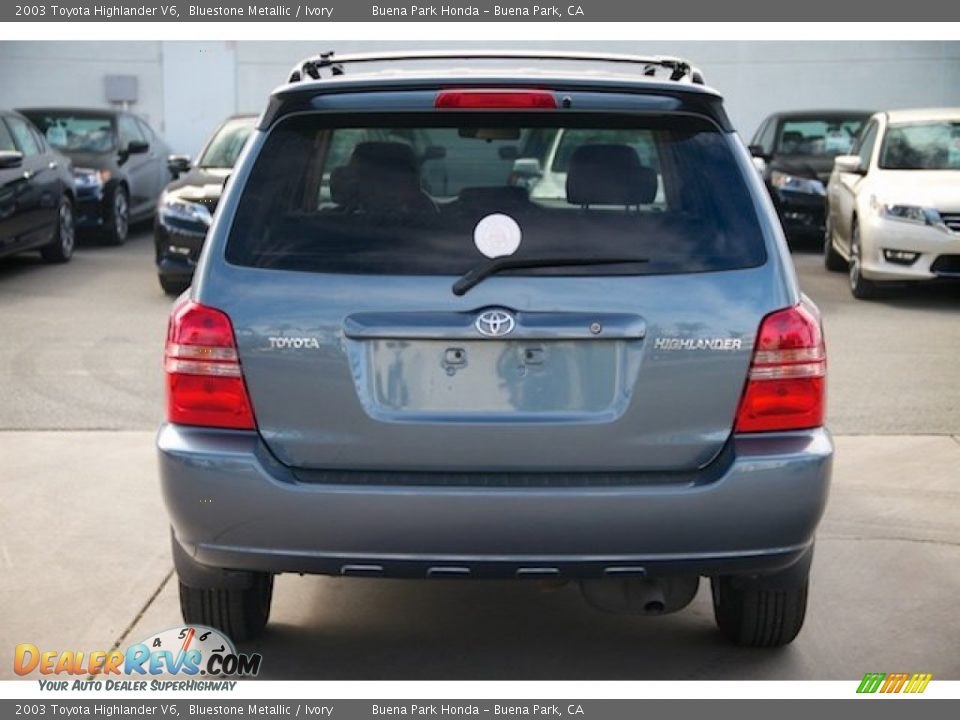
118,222
832,260
172,287
860,287
755,616
241,614
60,248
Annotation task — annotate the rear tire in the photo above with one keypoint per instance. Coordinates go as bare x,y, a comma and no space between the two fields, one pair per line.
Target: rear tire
60,248
753,616
240,614
832,260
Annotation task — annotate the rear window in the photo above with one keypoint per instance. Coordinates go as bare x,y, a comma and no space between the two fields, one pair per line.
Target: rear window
405,194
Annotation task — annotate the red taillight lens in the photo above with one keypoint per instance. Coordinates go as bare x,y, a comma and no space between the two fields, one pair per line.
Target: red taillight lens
496,100
786,387
204,380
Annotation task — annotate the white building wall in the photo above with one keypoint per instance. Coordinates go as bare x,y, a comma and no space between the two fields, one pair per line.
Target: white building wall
187,88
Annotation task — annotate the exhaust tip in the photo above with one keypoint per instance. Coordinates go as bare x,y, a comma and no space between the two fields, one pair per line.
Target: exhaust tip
654,607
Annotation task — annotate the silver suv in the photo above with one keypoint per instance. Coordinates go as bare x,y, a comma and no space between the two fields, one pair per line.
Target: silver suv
613,380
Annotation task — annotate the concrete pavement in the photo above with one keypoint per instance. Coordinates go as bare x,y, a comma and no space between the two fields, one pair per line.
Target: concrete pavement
85,562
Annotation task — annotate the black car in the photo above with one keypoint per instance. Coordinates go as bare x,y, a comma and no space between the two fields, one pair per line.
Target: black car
36,193
186,207
120,166
797,150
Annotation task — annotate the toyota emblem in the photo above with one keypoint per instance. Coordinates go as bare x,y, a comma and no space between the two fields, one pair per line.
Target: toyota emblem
495,323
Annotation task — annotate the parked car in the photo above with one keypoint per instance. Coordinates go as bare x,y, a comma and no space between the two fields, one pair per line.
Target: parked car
895,202
796,152
384,381
36,193
186,206
119,165
542,163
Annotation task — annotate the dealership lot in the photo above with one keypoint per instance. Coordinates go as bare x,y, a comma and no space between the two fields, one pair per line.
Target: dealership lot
87,563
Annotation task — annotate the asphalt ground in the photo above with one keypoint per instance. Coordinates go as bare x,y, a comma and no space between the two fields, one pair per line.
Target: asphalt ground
84,557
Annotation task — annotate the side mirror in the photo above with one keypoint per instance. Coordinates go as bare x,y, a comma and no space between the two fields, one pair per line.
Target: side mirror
137,147
10,159
178,164
527,168
849,164
758,152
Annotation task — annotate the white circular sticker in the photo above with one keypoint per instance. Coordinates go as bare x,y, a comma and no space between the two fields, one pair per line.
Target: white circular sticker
497,235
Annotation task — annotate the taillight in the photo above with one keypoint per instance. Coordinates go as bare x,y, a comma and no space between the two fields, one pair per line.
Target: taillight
204,380
786,386
503,99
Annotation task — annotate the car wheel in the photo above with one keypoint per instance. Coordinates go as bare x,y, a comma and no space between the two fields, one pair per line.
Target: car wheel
241,614
60,248
753,616
119,218
832,260
860,287
172,287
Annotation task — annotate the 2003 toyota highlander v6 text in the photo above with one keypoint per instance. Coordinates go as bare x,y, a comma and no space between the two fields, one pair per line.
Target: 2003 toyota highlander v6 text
617,382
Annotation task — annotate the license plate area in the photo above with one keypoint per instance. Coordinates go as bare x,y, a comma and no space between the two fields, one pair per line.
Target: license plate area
458,377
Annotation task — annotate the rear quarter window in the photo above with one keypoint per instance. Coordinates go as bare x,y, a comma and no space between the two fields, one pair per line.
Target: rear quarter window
404,194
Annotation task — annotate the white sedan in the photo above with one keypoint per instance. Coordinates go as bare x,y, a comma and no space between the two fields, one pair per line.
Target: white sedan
894,204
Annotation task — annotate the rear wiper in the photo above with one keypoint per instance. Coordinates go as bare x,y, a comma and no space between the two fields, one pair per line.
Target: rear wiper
481,272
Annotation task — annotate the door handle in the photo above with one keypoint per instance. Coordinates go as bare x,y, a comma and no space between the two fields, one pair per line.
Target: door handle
53,165
27,174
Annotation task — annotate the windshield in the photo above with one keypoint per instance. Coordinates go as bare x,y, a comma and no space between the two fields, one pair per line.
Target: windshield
432,194
71,132
224,149
818,137
922,146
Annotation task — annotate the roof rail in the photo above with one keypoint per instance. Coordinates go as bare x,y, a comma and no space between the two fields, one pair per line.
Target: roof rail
680,70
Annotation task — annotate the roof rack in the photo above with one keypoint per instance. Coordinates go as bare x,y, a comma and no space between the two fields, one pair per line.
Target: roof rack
680,70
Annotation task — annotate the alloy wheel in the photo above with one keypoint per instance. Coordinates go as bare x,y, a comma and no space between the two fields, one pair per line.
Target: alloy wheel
67,234
121,220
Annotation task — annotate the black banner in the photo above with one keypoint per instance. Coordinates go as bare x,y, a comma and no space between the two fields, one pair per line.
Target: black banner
493,709
476,11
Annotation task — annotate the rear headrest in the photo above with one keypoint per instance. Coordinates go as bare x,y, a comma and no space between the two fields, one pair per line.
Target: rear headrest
343,185
391,158
609,175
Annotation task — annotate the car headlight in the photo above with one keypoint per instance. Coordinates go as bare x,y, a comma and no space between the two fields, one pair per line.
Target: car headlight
90,178
176,208
905,213
792,183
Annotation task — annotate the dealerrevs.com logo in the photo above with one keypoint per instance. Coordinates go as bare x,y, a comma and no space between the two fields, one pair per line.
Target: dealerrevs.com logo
190,650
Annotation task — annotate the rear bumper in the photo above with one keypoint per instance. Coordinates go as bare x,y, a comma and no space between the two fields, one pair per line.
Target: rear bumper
233,506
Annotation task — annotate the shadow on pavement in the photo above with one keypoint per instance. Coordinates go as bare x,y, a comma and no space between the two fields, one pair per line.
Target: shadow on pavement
396,629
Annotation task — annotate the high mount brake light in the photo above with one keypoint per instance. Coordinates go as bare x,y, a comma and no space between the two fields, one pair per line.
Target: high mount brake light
786,385
503,99
205,384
